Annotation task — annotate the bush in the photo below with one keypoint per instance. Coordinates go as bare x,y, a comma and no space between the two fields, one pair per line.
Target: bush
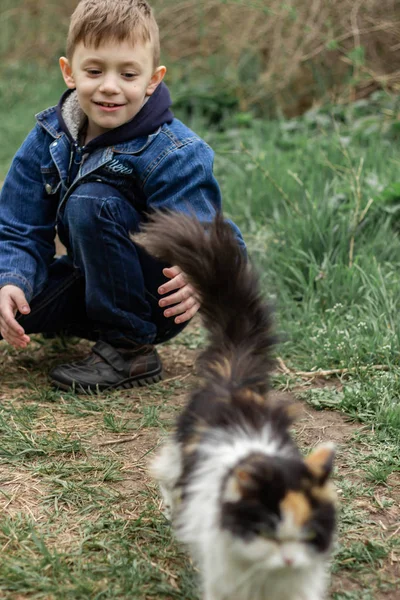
269,57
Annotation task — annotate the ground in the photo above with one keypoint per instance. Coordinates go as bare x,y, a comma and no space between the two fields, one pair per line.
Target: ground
70,463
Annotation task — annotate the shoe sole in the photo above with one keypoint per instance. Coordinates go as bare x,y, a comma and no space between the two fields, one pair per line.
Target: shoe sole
126,384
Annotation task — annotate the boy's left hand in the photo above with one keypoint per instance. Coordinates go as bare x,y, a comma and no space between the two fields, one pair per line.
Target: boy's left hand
185,299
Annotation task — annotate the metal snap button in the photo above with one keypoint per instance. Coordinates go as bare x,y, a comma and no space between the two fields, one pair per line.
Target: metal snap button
48,188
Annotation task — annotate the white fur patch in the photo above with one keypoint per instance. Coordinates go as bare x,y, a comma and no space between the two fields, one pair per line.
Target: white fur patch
233,569
73,115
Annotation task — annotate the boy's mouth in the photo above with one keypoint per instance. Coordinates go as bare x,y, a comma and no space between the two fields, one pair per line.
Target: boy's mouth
108,106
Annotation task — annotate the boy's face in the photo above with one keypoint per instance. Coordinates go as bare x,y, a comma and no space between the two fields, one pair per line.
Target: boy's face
112,82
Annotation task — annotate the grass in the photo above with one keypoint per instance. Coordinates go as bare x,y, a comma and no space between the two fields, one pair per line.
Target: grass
374,463
24,91
66,572
317,199
80,519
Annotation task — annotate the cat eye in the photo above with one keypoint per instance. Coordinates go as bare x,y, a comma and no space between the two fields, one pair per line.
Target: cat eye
266,533
310,535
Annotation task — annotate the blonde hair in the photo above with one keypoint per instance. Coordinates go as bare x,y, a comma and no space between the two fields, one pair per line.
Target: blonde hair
96,21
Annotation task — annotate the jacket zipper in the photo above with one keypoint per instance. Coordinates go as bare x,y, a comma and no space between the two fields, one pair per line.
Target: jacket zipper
76,157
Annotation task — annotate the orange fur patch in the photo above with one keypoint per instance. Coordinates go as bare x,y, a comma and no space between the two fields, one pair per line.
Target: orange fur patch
223,368
250,396
192,444
297,504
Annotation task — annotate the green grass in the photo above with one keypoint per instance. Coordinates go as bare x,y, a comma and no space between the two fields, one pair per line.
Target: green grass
365,501
372,398
317,200
24,91
80,518
121,555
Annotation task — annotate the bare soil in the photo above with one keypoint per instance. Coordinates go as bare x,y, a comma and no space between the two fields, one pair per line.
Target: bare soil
381,520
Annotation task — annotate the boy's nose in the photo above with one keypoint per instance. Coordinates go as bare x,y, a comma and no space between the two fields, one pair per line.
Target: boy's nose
109,85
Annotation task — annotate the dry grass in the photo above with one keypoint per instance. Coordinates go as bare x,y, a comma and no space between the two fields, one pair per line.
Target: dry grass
290,54
88,524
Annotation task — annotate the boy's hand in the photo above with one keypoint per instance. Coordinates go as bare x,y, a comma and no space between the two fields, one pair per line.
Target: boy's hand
12,299
185,299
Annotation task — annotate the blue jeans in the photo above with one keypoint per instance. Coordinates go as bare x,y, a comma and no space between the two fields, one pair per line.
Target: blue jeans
106,288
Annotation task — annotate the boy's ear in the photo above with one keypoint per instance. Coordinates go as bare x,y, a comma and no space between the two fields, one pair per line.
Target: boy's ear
155,80
66,71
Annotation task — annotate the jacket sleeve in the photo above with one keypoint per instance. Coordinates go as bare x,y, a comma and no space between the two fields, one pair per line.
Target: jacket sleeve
184,181
27,220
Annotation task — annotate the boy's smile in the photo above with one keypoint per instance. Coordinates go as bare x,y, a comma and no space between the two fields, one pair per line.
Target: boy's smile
112,82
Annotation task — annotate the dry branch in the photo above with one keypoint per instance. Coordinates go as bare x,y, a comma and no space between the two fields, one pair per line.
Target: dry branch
294,46
119,441
326,373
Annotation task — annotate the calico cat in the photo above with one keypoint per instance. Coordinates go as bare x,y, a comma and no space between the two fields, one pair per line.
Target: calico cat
258,518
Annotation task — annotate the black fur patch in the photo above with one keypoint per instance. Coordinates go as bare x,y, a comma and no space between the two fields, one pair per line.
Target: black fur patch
258,511
235,368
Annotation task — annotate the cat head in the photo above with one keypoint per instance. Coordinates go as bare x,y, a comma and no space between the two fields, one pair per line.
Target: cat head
280,510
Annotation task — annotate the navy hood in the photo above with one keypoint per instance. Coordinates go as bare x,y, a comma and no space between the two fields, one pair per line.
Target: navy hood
153,114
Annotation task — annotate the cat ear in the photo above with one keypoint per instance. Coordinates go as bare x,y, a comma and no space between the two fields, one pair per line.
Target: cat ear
320,461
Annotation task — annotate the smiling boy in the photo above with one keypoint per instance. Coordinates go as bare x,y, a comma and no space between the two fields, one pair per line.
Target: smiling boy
112,82
92,169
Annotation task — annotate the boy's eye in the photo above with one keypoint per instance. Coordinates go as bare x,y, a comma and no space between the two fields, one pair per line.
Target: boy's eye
129,75
93,72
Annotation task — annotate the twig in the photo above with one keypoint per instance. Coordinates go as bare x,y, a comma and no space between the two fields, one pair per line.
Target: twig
366,209
282,366
330,372
177,377
393,534
346,36
120,441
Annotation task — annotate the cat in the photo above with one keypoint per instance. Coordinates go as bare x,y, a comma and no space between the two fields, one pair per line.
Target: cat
258,519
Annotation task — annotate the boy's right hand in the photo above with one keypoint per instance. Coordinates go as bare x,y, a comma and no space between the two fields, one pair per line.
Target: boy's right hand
12,299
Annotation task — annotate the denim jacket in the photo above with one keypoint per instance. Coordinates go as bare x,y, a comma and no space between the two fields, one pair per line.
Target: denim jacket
171,168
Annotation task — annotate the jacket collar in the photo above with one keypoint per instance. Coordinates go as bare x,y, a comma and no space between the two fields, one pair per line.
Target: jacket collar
48,120
153,114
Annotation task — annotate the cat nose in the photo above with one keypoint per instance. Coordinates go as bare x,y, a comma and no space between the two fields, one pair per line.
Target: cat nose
288,561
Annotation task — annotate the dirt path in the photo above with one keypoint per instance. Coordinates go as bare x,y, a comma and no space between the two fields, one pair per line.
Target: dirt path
367,566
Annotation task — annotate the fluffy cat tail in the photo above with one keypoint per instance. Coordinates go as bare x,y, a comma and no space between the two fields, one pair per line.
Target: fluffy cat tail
233,310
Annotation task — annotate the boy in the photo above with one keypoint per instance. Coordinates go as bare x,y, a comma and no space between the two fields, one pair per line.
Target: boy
93,167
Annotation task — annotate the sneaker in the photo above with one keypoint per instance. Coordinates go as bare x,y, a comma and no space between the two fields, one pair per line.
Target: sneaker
107,368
